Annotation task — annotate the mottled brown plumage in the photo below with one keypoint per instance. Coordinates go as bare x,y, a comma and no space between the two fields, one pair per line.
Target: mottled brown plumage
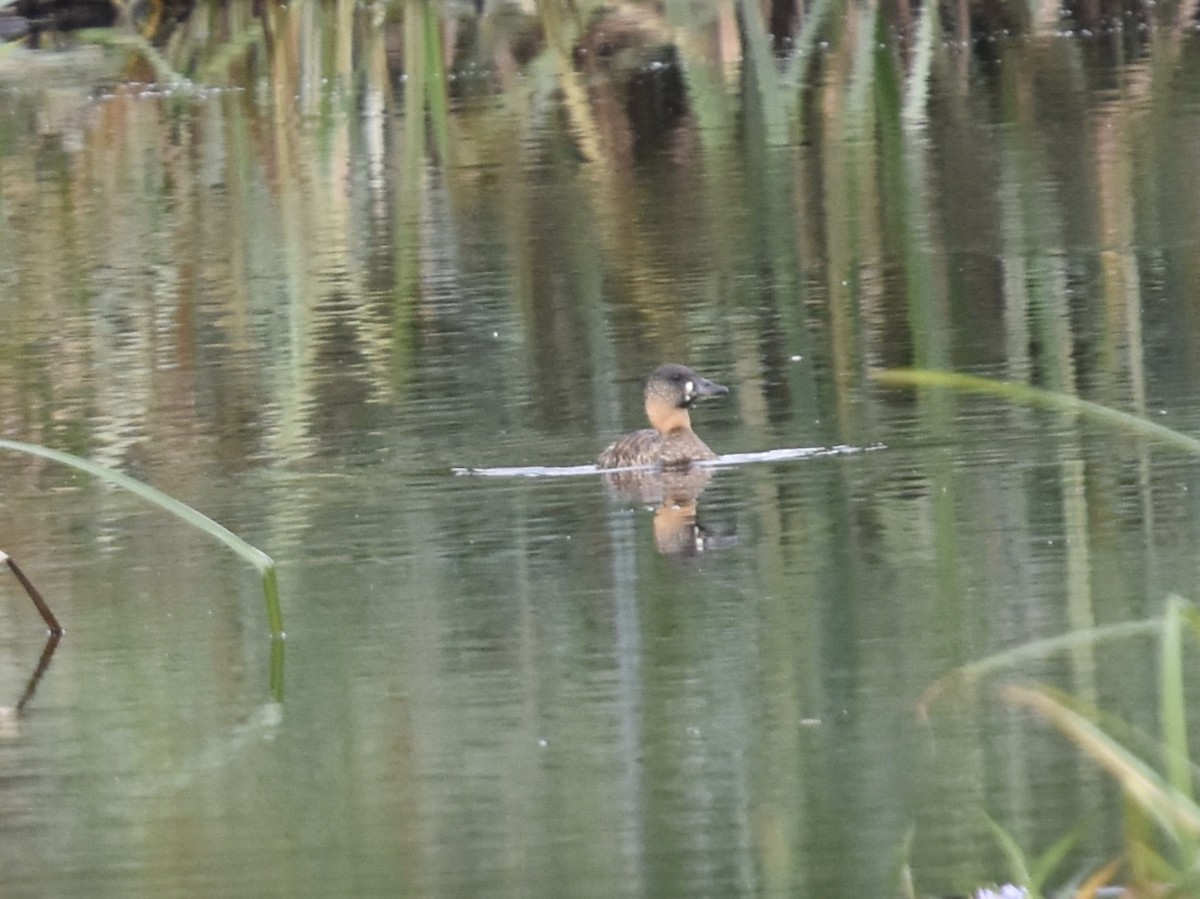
670,392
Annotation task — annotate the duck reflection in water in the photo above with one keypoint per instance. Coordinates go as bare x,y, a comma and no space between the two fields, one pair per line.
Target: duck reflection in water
656,466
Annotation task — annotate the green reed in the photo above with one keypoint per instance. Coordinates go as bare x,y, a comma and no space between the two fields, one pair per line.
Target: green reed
1023,393
1156,774
256,557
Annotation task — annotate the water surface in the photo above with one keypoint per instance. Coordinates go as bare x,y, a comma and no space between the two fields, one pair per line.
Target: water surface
298,294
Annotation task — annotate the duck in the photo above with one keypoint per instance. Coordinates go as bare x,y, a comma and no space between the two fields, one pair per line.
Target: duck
671,391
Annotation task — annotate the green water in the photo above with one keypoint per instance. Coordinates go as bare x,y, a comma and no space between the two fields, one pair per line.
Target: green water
299,289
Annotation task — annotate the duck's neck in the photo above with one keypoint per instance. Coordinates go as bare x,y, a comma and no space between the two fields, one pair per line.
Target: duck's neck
667,418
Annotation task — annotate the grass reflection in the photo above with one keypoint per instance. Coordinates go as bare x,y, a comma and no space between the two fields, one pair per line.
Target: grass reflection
827,114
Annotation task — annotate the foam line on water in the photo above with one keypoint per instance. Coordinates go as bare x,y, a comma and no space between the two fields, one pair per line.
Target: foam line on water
730,459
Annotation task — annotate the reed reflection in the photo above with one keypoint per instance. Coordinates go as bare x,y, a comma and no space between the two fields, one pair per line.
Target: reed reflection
9,714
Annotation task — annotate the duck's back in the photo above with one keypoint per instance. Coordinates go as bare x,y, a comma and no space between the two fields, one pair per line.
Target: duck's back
648,447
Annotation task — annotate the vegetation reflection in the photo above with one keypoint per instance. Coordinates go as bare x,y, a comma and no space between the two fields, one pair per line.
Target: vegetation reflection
239,235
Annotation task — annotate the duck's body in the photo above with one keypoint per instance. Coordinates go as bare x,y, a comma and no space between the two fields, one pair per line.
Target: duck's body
649,447
670,392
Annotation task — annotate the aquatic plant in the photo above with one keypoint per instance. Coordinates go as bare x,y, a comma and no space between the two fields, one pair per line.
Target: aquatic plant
1023,393
256,557
1162,815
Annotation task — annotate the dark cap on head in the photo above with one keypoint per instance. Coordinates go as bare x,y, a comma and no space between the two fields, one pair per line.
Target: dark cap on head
680,385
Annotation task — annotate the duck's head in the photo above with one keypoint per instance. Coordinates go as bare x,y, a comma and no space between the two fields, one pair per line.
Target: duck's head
671,391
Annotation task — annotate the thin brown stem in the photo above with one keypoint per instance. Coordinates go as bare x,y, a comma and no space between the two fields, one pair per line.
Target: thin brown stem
56,629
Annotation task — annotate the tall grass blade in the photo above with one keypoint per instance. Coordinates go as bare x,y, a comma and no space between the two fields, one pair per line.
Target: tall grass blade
1013,658
1017,867
277,670
1090,888
1190,616
1146,865
1033,877
1048,862
1021,393
1148,868
256,557
1170,810
904,875
1174,712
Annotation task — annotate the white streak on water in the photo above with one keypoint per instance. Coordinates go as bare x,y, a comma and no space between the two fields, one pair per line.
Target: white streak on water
786,454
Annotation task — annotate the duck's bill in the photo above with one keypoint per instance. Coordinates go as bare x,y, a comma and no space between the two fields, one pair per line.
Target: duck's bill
708,388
